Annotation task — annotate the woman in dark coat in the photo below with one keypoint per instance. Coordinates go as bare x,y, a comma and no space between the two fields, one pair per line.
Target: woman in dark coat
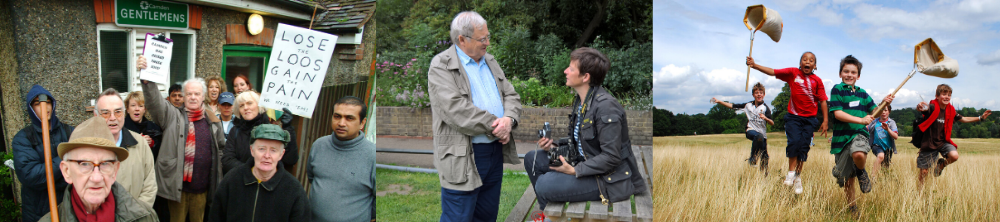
248,116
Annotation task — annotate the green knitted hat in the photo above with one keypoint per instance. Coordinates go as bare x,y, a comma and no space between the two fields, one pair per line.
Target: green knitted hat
271,132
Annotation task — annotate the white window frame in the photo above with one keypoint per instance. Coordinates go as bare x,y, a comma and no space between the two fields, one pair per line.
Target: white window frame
137,35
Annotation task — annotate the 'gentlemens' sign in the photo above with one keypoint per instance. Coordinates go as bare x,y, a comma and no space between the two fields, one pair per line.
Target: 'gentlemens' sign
296,69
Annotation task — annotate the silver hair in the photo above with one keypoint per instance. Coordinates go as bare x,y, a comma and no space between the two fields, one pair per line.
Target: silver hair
108,92
465,23
199,80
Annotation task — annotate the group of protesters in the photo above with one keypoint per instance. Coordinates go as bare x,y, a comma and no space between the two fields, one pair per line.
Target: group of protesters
200,154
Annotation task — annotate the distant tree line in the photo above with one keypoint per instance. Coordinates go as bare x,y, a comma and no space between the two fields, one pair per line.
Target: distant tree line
722,120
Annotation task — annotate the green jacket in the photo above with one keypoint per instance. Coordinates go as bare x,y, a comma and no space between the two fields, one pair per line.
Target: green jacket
455,119
127,208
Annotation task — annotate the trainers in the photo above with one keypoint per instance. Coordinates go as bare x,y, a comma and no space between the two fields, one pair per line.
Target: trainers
854,211
940,167
798,185
789,178
864,183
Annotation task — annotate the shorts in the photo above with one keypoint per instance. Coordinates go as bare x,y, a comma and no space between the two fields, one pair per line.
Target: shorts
927,157
876,149
844,161
800,133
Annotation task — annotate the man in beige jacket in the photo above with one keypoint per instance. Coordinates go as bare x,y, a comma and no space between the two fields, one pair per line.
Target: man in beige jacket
474,109
137,173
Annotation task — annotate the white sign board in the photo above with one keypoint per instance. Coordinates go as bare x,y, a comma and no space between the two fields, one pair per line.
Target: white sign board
296,69
157,53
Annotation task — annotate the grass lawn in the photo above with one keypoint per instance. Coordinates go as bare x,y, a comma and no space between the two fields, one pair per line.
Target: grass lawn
417,196
705,178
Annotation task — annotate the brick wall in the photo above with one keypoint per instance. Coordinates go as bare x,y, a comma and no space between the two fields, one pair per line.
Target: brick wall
404,121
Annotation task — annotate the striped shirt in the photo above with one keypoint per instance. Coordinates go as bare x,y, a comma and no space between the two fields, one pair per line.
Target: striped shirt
753,112
854,101
483,89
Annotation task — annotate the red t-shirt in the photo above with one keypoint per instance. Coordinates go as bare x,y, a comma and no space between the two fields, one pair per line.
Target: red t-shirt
807,91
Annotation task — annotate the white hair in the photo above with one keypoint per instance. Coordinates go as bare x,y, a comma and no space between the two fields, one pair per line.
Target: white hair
465,23
244,97
200,81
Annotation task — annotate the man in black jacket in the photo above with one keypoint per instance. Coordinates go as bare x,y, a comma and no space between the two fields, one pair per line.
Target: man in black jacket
29,158
598,127
260,189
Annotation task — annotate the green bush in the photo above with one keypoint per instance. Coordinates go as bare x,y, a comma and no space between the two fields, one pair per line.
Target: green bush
9,209
534,93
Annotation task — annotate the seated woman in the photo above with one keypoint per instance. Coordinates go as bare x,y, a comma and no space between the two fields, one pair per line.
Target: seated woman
249,115
606,170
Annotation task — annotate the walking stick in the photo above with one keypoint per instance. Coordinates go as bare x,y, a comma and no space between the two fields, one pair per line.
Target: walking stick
47,149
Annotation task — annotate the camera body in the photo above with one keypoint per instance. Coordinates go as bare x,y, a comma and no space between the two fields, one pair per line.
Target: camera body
564,147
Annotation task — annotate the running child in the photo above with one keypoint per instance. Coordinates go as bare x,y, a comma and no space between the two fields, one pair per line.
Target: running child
758,116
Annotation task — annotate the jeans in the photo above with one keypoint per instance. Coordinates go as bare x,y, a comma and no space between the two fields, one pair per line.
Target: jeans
551,185
482,203
800,132
759,147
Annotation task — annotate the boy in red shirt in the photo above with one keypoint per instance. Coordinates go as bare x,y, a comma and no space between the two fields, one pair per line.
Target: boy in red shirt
807,93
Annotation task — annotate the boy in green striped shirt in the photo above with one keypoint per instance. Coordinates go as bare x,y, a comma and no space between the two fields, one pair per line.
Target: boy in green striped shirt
850,106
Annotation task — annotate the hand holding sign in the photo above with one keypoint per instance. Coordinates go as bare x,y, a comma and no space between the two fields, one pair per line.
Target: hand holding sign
157,51
296,69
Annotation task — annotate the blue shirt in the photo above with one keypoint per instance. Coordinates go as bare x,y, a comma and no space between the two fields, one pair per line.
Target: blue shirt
484,91
119,143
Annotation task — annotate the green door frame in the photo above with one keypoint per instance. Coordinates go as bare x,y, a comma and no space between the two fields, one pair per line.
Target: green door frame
247,51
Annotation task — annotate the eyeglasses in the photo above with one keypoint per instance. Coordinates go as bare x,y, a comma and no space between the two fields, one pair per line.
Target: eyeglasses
87,167
483,40
120,112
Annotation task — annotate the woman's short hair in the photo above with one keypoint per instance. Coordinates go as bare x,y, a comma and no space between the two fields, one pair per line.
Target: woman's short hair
591,61
244,97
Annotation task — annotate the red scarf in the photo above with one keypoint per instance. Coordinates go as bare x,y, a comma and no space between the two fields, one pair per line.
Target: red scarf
189,145
949,119
105,212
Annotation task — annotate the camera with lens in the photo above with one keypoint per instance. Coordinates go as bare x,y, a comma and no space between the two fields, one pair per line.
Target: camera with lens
563,147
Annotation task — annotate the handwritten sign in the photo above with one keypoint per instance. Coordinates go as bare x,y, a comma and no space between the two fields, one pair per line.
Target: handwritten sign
296,69
157,53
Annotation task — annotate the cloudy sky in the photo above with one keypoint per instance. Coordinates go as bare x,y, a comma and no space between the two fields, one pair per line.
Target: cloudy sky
700,48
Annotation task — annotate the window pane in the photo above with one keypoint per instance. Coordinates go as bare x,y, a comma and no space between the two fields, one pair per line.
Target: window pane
179,62
114,60
251,66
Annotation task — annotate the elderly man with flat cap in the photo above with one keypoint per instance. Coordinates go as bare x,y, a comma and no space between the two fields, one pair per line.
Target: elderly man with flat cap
261,189
90,162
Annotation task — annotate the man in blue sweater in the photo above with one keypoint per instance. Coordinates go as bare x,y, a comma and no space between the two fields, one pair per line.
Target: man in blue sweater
342,167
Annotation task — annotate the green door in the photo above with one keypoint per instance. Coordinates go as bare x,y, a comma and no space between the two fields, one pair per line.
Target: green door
244,60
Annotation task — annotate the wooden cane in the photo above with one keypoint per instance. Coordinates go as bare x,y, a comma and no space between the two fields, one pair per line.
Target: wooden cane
47,149
881,105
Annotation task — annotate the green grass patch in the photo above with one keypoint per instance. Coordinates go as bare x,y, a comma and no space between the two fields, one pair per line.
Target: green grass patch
423,201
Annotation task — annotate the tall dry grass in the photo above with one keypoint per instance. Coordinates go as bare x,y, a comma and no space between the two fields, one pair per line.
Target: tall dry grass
705,178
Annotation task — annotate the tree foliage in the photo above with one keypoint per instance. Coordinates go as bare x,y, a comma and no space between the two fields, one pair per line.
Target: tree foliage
530,39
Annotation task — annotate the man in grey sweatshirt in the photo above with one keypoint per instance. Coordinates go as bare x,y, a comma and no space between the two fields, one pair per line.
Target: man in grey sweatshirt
342,167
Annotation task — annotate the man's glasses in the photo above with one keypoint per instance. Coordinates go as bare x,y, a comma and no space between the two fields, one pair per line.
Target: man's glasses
86,167
483,40
120,112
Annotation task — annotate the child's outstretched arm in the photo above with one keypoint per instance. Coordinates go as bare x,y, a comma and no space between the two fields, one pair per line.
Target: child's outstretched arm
728,105
976,119
761,68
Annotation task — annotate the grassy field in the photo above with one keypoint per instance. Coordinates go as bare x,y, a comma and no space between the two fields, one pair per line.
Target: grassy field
417,196
705,178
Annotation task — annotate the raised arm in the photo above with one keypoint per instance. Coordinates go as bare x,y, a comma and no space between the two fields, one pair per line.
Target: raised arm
758,67
976,119
724,103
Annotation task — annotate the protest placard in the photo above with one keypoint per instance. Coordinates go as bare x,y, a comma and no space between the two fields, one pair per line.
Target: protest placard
157,51
296,69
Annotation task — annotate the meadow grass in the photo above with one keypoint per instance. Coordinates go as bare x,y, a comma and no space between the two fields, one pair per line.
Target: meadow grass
423,202
706,178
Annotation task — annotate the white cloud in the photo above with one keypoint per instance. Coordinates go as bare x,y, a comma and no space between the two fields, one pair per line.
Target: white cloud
671,74
988,59
827,16
794,5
